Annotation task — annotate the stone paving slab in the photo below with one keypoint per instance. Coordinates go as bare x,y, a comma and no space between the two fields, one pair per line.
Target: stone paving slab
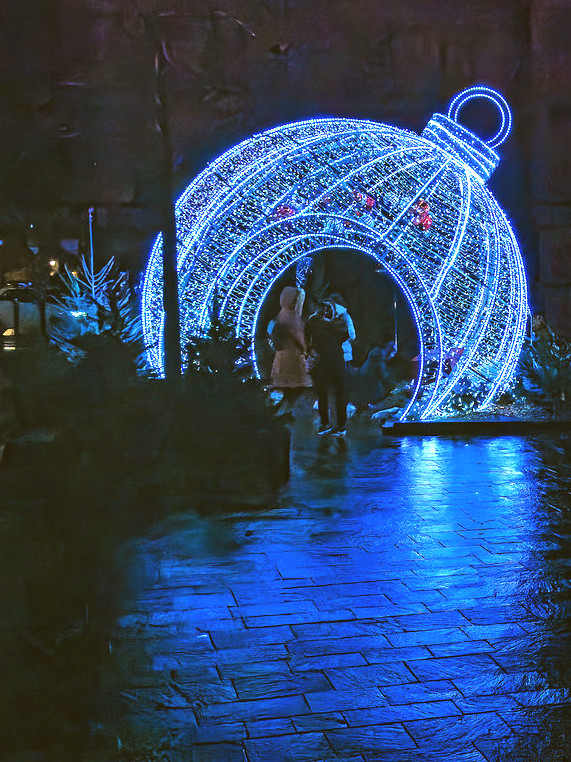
256,669
270,728
431,690
466,647
451,667
215,752
387,612
214,733
455,731
334,645
370,739
370,675
317,721
306,747
355,698
281,685
424,755
284,706
331,661
299,618
390,714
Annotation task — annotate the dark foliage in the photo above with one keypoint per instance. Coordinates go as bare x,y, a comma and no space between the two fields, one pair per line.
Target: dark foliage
219,352
91,303
96,454
544,373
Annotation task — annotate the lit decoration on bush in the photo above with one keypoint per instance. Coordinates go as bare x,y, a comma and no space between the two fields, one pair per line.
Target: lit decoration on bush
418,205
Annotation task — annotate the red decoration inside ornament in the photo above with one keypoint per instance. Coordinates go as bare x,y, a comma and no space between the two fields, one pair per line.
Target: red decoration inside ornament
363,198
422,219
283,211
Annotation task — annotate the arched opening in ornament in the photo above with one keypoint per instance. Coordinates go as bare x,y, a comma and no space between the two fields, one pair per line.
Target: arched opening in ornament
380,310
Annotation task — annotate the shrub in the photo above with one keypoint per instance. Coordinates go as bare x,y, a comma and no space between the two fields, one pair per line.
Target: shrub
544,372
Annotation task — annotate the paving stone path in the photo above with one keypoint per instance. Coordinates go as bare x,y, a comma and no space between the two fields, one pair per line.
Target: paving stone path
408,601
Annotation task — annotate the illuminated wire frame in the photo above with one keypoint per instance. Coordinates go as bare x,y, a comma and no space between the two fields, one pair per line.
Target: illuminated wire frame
284,194
485,92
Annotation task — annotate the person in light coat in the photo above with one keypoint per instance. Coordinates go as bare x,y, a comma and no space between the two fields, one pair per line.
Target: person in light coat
287,332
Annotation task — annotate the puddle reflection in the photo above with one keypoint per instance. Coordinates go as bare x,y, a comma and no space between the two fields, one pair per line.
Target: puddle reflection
421,582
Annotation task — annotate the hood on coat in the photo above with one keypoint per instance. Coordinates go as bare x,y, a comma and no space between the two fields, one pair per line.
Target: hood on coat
292,299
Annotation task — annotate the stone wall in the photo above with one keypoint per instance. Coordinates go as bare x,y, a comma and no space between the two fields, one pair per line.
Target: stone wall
79,120
550,66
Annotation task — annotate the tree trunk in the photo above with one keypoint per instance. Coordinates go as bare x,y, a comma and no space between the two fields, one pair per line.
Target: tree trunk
171,343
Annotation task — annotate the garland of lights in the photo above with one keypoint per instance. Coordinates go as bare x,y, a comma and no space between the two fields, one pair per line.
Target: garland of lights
418,205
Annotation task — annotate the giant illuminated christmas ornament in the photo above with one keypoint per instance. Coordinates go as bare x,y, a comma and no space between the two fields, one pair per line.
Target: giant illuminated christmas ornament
418,205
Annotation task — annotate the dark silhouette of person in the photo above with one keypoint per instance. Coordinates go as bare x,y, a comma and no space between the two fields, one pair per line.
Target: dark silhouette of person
326,333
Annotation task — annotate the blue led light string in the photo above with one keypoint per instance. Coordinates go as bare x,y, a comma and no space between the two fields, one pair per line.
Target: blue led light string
478,166
343,181
521,298
262,169
508,357
288,245
236,251
385,238
311,206
347,245
277,226
224,234
464,364
299,147
470,347
243,243
345,159
364,230
484,315
153,275
463,216
501,354
479,91
420,322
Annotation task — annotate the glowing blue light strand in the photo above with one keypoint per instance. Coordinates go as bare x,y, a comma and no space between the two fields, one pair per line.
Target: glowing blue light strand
227,245
472,347
345,245
290,244
508,358
339,217
458,143
291,220
246,179
420,287
503,355
479,91
151,277
464,215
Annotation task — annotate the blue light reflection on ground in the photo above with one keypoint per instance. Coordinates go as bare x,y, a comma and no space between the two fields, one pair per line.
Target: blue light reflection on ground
389,606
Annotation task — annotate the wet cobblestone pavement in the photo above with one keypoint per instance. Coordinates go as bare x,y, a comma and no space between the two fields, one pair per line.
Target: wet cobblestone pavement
409,600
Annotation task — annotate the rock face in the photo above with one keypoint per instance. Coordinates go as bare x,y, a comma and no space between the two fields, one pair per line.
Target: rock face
80,129
550,63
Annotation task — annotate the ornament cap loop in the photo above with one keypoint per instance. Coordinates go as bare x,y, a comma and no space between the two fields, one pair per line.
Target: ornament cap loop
479,91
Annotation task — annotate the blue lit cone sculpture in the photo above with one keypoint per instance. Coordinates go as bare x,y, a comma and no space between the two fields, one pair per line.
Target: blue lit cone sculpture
418,205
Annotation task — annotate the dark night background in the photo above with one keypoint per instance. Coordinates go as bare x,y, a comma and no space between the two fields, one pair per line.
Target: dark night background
180,578
78,122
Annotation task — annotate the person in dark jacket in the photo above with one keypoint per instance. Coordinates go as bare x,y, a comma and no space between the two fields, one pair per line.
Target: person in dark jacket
326,333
